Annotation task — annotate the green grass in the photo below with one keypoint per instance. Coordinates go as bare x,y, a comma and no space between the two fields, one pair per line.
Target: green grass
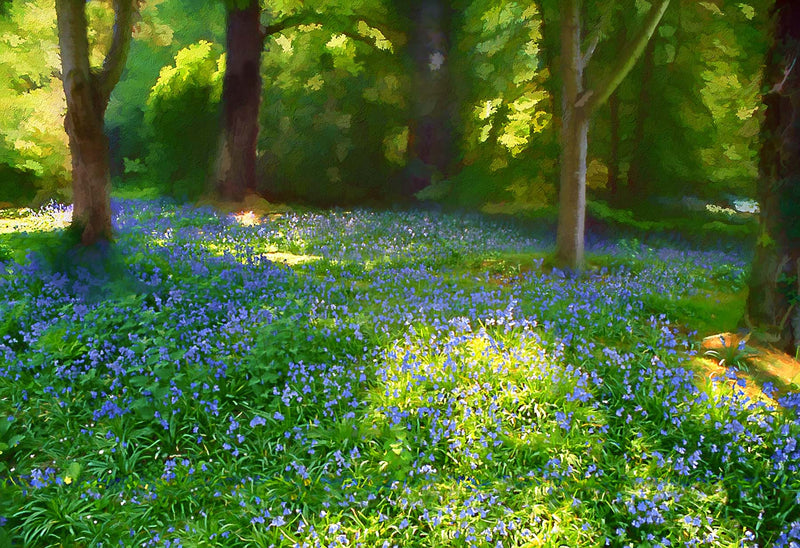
422,380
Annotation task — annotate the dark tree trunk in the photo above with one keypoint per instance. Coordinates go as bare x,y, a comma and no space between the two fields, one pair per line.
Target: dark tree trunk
87,93
636,182
91,180
772,305
613,157
430,138
241,98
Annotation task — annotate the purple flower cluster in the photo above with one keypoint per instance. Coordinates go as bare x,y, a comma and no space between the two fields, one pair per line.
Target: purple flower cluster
384,390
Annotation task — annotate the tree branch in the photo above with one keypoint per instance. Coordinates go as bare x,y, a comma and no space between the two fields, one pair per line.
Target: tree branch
329,21
288,22
114,63
596,98
777,88
594,38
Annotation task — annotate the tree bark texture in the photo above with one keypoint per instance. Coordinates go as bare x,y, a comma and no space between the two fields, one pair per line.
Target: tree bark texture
87,94
774,299
431,128
88,145
574,143
241,99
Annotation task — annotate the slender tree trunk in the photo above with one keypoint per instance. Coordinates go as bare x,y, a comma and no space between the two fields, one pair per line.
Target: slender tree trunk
431,128
574,143
87,93
578,104
636,183
613,157
241,99
772,304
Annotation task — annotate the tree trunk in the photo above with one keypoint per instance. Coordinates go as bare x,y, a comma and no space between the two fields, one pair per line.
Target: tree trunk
577,107
772,304
613,157
91,180
574,143
431,129
241,98
87,93
91,215
636,182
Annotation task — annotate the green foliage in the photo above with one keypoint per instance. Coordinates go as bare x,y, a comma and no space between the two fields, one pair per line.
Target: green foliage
182,120
707,225
508,137
335,108
732,353
698,114
164,29
33,144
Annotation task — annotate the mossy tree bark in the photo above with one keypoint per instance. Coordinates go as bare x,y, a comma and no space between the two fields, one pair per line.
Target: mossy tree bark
773,304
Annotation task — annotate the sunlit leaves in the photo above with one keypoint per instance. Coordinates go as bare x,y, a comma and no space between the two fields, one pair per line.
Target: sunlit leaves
501,39
285,42
500,15
395,145
748,11
182,120
731,95
381,42
712,7
100,19
523,118
194,65
334,96
32,137
337,41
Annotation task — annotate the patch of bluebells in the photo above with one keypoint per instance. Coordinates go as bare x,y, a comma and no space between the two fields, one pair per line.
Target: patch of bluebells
381,380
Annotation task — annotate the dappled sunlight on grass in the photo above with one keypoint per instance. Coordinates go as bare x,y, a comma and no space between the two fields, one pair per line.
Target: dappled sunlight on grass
48,218
411,378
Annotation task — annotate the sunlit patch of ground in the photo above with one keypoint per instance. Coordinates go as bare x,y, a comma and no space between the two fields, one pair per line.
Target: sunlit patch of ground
290,258
250,211
765,365
27,220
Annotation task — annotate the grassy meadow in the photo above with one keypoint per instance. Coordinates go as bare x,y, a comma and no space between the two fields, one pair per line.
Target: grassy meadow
373,378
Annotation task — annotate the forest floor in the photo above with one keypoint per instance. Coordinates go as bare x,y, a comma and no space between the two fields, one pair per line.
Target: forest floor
267,377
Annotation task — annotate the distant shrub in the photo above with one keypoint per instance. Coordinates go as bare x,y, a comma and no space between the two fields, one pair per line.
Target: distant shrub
182,120
703,225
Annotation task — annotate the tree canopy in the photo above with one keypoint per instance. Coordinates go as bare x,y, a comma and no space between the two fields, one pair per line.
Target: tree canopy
338,97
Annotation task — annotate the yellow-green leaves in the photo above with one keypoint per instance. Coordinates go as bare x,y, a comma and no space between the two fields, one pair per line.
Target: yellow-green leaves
381,42
198,64
748,11
32,137
713,8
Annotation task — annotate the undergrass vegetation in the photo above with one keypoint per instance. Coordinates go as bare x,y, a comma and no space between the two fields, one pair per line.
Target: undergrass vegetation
361,378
